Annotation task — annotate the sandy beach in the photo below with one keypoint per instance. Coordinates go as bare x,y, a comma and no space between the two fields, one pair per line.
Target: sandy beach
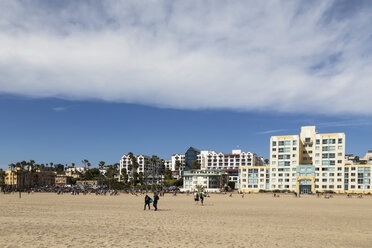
258,220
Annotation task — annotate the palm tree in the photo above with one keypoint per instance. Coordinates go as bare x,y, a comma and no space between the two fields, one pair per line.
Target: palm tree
154,165
88,165
101,164
12,166
85,162
73,165
145,169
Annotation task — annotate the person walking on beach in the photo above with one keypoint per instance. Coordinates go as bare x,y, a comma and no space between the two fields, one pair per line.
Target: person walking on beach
155,203
196,197
147,202
202,198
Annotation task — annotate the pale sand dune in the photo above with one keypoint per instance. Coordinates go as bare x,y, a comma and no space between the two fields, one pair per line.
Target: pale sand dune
49,220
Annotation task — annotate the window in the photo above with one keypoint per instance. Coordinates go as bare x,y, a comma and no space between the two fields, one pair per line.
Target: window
295,142
339,161
325,148
274,143
306,140
317,142
325,162
340,141
325,141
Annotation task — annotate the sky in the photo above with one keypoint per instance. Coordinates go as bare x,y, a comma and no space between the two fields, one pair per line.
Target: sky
98,79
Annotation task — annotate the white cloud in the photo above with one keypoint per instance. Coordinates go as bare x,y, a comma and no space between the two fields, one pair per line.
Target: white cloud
59,109
262,55
271,131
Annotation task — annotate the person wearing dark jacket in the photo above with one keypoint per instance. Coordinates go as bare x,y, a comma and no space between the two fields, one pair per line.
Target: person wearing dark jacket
155,202
147,202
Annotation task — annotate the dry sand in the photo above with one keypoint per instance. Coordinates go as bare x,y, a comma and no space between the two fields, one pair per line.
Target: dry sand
50,220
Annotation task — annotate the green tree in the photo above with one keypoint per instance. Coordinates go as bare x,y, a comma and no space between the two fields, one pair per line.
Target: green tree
85,162
92,174
195,165
167,174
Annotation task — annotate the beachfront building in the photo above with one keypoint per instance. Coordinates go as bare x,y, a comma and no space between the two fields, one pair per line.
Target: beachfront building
178,165
11,177
230,163
75,172
308,162
254,178
208,180
145,170
62,179
357,176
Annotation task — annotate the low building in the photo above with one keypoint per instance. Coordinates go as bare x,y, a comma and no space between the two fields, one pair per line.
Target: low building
254,178
90,183
209,180
75,172
62,180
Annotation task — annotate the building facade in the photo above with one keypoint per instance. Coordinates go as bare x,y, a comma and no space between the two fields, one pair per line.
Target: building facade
230,163
315,162
208,180
148,170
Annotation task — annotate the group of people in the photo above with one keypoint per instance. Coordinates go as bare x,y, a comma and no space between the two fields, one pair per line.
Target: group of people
198,196
154,201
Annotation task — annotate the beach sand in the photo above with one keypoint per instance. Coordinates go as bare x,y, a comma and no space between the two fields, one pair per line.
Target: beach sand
258,220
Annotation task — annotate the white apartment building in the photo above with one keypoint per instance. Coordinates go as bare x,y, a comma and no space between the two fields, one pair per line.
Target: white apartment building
209,180
177,165
168,164
211,160
150,171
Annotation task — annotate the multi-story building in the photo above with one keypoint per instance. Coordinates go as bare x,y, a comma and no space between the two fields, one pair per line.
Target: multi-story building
208,180
230,163
11,177
254,178
147,169
178,165
308,162
75,172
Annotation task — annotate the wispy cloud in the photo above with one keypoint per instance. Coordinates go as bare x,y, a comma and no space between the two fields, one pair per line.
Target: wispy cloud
345,123
58,109
292,56
272,131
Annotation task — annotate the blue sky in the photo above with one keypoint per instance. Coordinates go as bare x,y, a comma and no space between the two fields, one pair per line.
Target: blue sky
97,79
60,131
